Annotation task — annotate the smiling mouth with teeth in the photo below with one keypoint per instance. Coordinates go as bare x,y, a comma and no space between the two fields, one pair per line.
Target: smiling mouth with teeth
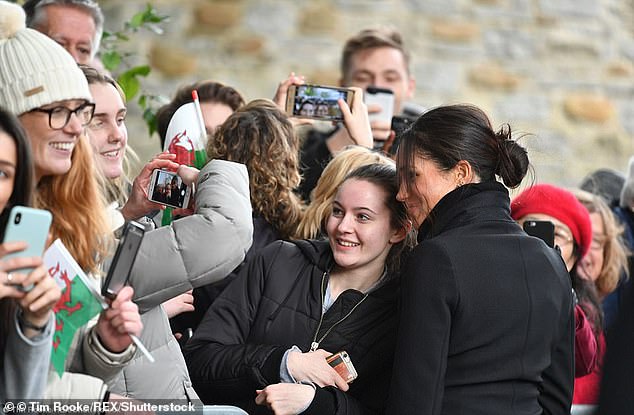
111,154
66,146
348,244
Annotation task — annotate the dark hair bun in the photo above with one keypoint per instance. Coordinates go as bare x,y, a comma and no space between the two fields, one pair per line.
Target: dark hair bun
513,162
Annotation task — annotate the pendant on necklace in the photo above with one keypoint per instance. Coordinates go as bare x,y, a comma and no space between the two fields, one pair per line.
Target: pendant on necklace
314,346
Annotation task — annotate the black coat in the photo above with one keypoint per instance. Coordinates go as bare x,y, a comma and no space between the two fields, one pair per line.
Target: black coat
275,303
487,321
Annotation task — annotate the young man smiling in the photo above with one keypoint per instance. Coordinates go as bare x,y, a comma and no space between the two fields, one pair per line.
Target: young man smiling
373,57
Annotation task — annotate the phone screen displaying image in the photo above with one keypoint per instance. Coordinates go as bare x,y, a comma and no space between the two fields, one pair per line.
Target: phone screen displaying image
319,102
167,188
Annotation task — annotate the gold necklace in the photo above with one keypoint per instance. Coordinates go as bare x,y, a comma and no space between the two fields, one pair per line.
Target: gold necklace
315,344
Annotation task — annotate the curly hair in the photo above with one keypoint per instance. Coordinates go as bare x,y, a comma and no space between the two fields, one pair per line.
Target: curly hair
260,136
347,160
78,209
615,251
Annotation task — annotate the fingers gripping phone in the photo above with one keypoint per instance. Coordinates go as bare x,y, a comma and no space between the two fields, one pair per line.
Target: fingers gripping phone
382,97
31,226
317,101
543,229
343,365
167,188
123,260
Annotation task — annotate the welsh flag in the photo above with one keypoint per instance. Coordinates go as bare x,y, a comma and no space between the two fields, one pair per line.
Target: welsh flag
186,137
79,302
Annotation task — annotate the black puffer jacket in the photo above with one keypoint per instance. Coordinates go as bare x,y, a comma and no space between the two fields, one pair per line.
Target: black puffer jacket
275,303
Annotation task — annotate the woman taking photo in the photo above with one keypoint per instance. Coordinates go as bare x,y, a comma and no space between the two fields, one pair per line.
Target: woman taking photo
26,318
486,321
266,338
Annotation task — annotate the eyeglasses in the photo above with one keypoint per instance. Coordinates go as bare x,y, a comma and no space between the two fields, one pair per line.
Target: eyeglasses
59,117
562,237
597,244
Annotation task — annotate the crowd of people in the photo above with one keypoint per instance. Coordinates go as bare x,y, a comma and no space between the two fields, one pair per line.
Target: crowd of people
409,269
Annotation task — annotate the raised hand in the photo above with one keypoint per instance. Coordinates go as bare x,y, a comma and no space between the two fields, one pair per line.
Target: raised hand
138,204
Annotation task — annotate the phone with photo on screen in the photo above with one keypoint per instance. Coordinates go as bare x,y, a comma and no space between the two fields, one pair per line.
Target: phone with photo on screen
31,226
317,102
167,188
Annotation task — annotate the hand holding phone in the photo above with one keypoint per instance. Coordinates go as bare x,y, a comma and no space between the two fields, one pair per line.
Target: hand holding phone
343,365
317,101
31,226
123,260
168,188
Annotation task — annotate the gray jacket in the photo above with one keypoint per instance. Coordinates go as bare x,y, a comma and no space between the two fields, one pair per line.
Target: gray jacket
25,363
191,252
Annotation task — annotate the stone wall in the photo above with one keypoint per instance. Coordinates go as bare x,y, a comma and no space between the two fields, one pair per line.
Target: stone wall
560,71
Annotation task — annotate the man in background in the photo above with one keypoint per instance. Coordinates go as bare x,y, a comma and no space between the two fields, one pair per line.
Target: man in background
77,25
373,57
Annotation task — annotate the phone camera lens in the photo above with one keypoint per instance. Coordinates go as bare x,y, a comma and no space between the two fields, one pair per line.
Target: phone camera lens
18,218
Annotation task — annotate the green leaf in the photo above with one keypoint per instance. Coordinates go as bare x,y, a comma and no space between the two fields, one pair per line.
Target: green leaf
143,101
137,20
111,60
150,119
141,70
122,36
130,85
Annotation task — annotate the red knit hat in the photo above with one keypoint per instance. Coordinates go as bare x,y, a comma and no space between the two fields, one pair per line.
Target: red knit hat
561,205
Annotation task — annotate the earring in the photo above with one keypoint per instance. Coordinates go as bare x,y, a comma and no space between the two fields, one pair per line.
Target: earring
460,182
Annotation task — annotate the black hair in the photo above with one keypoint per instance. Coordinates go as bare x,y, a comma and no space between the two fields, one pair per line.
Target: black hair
384,176
449,134
208,91
21,195
24,176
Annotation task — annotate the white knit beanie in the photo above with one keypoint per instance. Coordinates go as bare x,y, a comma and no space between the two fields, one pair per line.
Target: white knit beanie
34,69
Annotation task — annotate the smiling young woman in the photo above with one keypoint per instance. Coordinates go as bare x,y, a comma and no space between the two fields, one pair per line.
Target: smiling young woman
295,303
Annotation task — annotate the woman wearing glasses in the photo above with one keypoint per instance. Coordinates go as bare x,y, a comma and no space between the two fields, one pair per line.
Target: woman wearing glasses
42,85
573,237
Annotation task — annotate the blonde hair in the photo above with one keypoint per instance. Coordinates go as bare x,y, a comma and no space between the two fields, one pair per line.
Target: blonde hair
615,252
117,189
260,136
79,216
347,160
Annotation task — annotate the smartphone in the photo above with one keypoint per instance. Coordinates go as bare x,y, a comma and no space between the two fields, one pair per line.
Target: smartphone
317,102
343,365
542,229
167,188
382,97
399,125
123,260
31,226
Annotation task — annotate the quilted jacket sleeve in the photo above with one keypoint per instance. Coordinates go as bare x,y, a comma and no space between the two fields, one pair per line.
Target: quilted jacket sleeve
201,248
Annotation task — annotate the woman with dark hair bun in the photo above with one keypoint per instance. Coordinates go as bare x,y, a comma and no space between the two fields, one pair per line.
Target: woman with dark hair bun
486,311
